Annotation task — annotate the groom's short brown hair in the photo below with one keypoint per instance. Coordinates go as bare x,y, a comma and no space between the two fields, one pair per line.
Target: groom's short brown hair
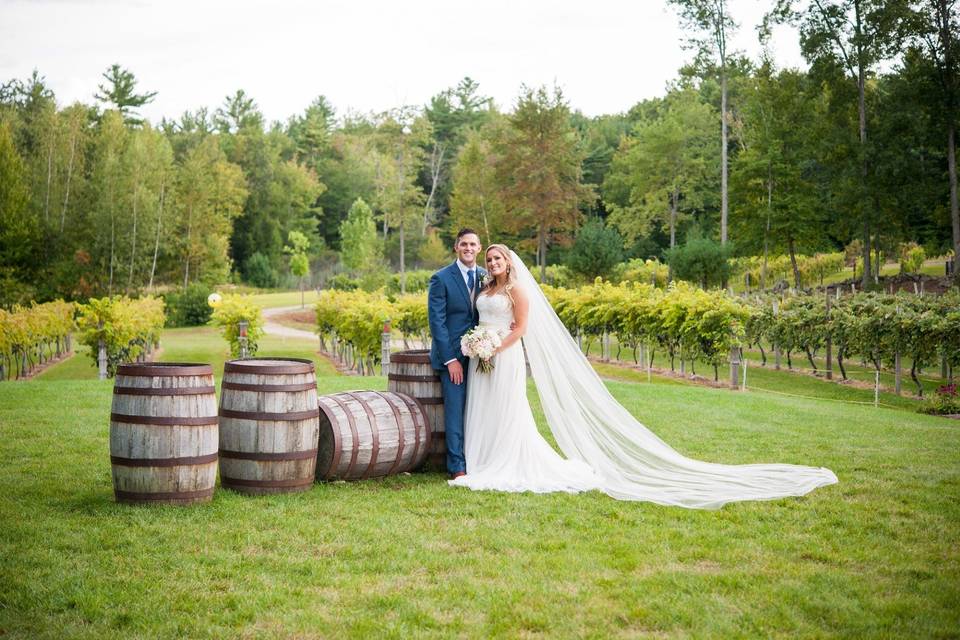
464,232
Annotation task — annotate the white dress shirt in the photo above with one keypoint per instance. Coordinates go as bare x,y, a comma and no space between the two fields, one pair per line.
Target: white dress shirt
463,271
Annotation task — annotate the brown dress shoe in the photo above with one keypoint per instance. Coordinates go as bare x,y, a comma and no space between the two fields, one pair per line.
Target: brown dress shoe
454,476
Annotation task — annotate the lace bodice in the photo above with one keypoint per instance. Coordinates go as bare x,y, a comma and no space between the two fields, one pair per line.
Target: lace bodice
495,310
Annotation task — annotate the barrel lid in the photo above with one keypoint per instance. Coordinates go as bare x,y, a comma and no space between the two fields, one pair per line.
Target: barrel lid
269,365
158,369
419,356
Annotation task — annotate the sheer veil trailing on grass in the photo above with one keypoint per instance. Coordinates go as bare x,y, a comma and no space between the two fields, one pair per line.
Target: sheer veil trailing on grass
590,425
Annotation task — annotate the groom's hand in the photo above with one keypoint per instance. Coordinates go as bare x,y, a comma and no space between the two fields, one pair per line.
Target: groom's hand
455,369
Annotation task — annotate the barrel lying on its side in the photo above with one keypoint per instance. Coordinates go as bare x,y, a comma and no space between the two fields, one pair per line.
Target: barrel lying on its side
411,374
163,433
367,434
268,425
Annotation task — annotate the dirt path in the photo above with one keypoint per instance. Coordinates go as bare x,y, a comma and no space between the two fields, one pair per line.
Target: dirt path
274,328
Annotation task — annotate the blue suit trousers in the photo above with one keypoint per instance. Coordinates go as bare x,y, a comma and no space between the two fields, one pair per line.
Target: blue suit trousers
454,402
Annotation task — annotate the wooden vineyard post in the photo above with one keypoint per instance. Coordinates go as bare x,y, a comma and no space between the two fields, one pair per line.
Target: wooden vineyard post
876,388
385,348
776,347
102,360
897,369
649,362
734,366
897,372
829,342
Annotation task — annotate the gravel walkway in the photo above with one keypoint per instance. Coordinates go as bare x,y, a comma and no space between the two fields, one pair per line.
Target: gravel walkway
276,329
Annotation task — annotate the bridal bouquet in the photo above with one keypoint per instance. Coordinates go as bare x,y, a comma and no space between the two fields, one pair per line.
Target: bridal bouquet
480,342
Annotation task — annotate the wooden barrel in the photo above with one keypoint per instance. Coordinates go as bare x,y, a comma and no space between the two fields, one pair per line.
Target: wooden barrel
163,433
368,434
412,374
268,425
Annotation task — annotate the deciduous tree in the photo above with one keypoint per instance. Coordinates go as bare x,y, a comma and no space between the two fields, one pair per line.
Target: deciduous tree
539,170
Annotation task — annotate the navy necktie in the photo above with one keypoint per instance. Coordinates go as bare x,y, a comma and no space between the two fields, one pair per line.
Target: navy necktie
470,284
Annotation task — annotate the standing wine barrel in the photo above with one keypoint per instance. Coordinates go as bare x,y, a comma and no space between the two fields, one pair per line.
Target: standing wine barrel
368,434
412,374
163,433
268,425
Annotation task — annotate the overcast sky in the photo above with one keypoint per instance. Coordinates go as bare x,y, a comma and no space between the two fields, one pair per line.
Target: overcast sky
364,55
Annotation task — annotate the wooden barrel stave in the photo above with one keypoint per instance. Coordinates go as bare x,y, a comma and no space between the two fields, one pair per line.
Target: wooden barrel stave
269,426
369,434
163,433
412,374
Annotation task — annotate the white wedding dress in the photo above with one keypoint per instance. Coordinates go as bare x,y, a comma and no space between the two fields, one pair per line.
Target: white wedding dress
606,447
502,446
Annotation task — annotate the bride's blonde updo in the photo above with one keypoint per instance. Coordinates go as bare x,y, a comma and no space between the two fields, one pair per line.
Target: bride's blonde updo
508,283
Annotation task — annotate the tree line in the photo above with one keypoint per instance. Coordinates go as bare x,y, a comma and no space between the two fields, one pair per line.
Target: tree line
95,200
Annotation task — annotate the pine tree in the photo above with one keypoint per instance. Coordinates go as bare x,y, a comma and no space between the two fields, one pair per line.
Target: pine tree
120,91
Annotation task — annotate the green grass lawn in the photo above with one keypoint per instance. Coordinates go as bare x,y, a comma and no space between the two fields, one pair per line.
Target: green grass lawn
407,556
767,378
285,298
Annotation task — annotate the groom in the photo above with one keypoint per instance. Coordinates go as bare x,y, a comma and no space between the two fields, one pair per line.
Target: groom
452,311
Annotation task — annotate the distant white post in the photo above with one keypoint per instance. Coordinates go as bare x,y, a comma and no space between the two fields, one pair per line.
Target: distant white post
102,360
876,388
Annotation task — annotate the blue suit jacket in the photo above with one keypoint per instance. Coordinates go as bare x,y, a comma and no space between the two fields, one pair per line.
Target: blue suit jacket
449,313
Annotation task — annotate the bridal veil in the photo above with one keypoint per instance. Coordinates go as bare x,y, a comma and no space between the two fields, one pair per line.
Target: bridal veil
590,425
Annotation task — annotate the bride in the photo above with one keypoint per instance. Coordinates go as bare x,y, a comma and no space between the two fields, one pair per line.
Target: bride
606,448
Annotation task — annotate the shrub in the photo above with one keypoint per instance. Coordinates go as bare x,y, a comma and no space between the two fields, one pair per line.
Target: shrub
417,281
189,308
558,275
945,401
227,316
912,256
343,282
646,271
127,327
259,271
596,250
701,260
